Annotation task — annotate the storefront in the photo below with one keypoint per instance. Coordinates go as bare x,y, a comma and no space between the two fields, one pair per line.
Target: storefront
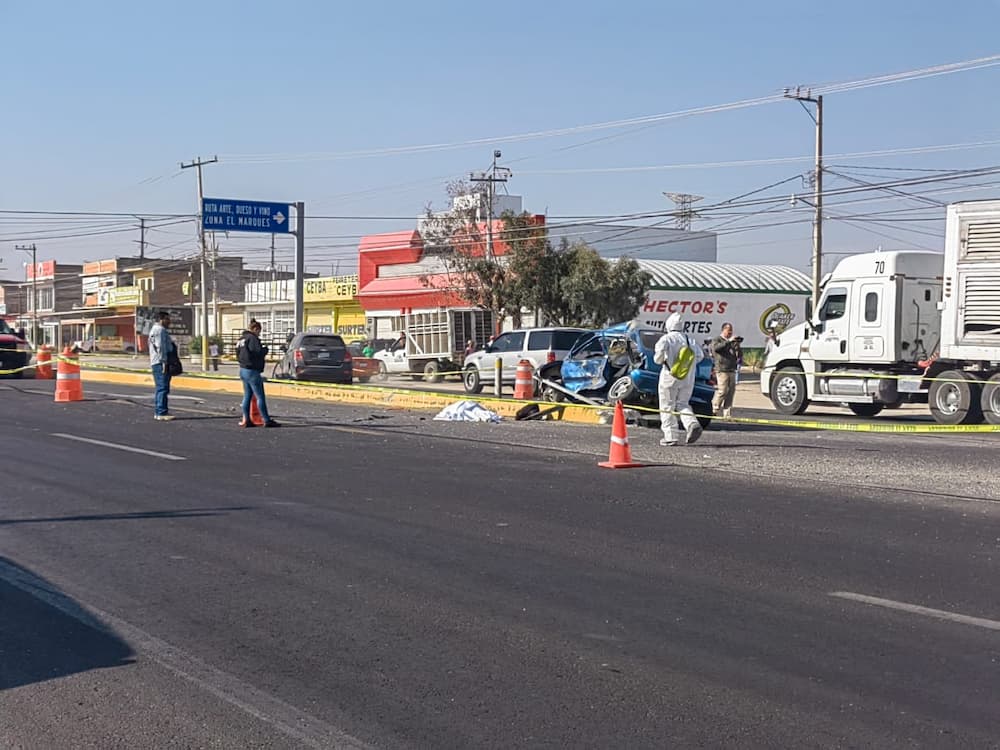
331,306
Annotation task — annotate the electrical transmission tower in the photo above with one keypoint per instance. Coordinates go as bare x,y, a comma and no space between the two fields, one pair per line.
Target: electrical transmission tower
684,213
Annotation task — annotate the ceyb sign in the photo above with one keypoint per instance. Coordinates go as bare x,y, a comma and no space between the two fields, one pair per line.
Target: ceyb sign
330,289
703,313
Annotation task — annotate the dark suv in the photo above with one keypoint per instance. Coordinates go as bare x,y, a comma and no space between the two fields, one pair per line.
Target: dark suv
316,356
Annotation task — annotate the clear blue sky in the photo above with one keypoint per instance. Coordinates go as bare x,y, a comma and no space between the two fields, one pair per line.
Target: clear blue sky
100,98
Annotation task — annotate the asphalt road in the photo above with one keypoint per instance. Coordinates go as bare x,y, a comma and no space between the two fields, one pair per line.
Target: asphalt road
364,578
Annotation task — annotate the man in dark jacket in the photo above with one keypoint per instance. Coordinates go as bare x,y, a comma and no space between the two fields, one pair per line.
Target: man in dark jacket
726,351
251,354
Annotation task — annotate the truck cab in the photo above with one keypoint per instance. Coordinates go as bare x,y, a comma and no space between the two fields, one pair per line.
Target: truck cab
876,320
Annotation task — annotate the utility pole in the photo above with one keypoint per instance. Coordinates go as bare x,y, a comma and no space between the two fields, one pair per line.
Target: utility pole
817,261
271,267
34,289
198,164
215,285
492,177
142,238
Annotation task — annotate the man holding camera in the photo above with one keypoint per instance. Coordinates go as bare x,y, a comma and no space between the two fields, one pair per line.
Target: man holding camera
726,351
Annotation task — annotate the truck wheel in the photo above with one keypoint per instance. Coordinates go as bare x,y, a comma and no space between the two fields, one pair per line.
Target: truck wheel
383,372
865,410
954,398
788,391
432,372
990,401
471,380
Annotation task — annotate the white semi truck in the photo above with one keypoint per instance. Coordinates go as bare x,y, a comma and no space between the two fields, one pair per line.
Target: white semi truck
898,327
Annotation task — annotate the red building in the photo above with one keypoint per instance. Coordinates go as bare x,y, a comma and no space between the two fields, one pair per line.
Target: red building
398,274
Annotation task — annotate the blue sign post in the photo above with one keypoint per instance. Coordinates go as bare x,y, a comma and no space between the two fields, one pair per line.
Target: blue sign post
226,215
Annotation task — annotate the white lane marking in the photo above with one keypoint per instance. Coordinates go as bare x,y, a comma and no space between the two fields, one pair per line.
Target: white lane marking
117,446
284,717
941,614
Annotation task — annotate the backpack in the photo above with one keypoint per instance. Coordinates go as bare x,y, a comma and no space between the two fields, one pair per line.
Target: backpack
174,366
684,362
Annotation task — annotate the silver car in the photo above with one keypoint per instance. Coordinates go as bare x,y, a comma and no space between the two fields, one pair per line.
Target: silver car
537,345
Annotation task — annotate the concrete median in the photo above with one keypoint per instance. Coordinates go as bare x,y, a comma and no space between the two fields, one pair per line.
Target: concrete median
384,397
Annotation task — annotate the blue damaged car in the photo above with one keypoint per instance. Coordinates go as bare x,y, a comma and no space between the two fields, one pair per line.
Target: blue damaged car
616,364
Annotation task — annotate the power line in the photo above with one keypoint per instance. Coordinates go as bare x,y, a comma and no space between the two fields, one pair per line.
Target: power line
881,80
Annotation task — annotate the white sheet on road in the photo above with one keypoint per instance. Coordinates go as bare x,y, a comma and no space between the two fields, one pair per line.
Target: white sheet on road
466,411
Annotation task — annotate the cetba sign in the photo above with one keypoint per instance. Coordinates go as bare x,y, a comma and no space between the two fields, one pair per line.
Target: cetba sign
228,215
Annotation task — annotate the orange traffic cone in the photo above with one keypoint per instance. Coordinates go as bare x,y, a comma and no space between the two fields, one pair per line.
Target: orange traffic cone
68,385
255,416
620,455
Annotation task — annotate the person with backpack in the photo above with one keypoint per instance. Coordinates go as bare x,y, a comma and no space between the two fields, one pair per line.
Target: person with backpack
251,355
678,356
161,347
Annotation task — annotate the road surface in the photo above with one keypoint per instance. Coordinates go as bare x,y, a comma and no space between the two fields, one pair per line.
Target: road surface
376,579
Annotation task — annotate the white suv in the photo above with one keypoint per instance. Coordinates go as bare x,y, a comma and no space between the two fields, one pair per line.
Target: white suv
537,345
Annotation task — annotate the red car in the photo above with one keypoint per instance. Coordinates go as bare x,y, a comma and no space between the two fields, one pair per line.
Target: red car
365,368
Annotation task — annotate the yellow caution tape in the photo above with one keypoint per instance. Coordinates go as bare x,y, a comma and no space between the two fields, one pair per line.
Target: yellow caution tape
871,427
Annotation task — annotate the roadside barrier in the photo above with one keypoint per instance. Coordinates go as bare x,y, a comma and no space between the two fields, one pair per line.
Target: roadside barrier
68,384
524,382
389,397
620,454
43,369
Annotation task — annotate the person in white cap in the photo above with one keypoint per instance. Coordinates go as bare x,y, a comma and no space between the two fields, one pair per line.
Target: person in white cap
678,355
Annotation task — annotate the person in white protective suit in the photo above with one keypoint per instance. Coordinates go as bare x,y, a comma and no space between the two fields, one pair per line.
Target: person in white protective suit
676,393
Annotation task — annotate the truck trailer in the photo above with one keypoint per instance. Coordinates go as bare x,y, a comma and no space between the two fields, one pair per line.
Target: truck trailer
903,327
430,343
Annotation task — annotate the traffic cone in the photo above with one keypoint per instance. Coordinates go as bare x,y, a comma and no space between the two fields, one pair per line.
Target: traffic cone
620,455
255,416
68,384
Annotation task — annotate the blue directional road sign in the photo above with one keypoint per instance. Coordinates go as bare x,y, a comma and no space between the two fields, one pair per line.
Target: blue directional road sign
228,215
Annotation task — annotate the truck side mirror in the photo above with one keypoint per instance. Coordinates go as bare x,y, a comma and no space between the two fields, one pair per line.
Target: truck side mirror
488,348
809,308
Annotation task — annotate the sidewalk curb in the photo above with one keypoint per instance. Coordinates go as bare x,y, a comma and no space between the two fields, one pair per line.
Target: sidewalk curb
356,394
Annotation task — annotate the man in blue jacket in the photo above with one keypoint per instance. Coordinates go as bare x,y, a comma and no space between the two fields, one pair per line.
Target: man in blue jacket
251,355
